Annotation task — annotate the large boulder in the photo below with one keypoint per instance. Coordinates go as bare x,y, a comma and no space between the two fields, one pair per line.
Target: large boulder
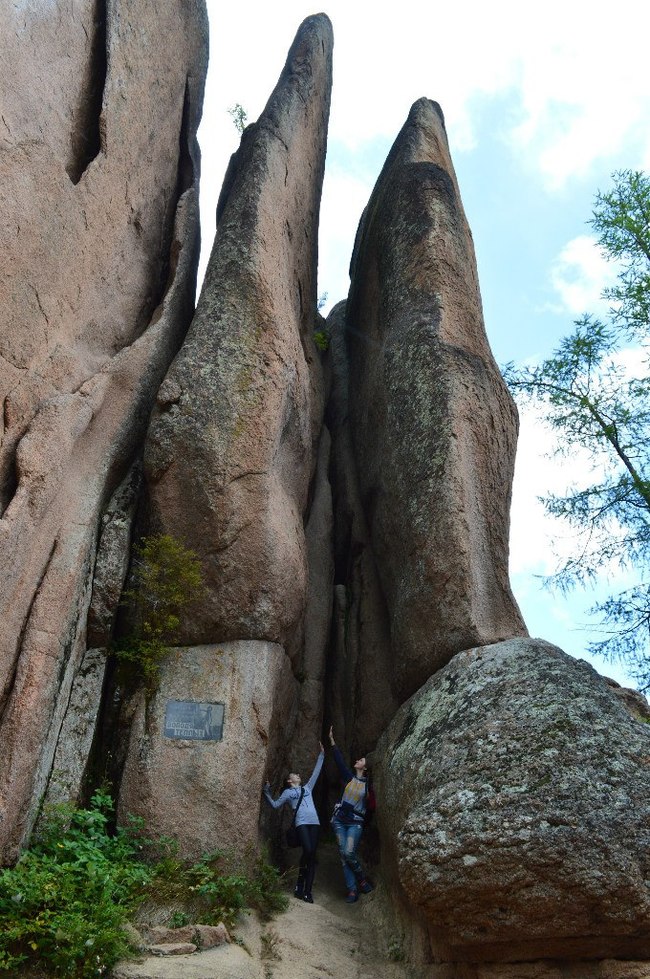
232,446
514,805
433,426
99,241
204,788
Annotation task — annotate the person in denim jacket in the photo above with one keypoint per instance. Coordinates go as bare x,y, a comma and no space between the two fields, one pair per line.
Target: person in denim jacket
348,822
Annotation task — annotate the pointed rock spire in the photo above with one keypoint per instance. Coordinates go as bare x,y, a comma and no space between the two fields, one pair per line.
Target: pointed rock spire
232,447
433,425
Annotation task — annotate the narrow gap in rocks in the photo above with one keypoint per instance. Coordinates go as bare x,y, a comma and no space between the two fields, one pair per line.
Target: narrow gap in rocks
170,246
8,481
86,136
185,177
184,180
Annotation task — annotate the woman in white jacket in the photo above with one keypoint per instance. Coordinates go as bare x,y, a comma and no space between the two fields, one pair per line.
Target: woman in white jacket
307,824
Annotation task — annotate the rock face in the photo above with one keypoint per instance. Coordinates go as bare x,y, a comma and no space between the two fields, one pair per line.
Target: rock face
514,806
232,446
80,720
433,425
206,793
99,242
513,785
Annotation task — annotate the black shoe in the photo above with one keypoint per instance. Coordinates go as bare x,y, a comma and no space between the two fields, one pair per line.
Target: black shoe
308,899
365,886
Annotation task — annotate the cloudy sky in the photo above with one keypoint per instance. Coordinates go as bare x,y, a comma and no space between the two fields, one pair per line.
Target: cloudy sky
542,103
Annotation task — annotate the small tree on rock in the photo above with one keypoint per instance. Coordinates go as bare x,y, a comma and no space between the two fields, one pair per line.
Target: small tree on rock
167,580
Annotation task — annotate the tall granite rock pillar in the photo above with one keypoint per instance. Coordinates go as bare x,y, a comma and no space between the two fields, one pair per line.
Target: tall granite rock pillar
233,444
99,246
433,425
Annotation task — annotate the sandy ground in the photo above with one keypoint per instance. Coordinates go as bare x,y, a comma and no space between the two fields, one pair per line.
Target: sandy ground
309,941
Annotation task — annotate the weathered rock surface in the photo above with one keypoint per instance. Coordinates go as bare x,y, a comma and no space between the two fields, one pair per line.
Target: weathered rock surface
80,720
634,701
200,936
514,805
211,936
177,948
113,556
232,447
78,729
99,246
545,969
206,793
433,425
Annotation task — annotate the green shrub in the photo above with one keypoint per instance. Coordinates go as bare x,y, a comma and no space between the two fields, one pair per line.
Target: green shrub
63,906
219,887
64,903
167,580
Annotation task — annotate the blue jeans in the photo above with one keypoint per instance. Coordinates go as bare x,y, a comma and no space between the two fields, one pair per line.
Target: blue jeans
348,838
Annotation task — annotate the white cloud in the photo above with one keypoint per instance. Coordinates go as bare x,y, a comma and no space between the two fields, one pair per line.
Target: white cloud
536,539
580,78
579,274
540,543
576,84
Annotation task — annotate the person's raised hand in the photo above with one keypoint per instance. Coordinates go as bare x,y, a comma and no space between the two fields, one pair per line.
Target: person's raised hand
332,734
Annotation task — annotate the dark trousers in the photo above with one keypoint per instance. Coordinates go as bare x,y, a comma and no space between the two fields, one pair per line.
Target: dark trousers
308,836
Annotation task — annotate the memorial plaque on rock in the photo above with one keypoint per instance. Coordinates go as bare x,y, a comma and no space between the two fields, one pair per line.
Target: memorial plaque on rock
192,721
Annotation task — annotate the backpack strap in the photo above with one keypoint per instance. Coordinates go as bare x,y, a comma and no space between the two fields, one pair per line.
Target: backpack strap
295,811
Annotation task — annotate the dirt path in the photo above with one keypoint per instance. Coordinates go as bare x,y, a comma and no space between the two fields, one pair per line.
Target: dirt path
309,941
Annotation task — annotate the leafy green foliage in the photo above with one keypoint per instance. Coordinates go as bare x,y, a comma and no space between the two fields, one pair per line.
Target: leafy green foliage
598,405
219,887
168,580
239,117
64,905
322,339
621,220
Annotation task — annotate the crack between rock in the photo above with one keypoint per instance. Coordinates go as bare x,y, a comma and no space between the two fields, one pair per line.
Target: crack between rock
40,306
264,737
253,472
86,138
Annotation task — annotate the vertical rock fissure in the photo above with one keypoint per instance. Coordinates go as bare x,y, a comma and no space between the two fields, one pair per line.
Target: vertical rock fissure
185,178
171,246
184,181
86,139
9,472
